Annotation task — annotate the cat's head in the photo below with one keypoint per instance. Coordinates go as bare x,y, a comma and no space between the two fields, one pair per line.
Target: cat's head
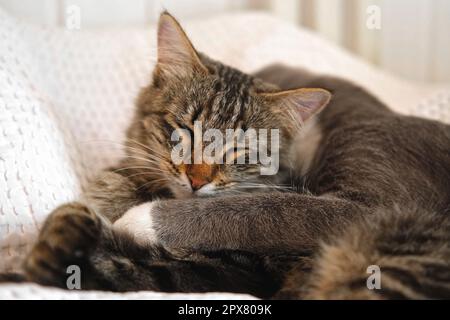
189,90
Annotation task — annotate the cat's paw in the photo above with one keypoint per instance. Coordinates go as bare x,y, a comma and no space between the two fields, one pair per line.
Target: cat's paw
66,239
138,222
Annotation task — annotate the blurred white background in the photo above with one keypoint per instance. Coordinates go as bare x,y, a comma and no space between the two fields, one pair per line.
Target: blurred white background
407,37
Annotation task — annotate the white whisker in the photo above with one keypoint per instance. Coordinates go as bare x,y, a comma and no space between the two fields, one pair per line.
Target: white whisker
153,151
152,181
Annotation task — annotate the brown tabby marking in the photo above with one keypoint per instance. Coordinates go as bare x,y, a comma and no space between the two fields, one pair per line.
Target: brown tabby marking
376,190
411,249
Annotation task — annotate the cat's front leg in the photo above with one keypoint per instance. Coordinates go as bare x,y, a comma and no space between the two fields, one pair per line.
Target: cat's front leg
67,238
139,225
266,222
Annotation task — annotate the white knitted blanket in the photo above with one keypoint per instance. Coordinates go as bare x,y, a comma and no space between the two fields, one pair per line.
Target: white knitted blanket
66,98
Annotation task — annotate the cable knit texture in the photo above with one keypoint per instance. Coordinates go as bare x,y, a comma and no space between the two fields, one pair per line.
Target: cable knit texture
66,98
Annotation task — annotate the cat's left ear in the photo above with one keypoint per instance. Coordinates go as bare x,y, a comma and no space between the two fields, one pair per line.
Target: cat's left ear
304,102
176,54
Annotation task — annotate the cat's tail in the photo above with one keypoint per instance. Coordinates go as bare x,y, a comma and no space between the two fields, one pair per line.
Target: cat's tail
394,254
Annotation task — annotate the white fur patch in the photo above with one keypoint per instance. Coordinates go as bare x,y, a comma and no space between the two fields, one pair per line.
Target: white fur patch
138,222
207,190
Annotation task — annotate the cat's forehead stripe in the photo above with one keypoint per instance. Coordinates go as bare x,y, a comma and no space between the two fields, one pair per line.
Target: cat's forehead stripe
232,97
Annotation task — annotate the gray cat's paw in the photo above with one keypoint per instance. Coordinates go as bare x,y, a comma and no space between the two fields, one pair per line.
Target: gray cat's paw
138,222
143,224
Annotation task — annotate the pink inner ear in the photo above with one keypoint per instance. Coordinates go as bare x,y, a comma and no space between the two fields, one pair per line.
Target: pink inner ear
173,48
176,54
308,102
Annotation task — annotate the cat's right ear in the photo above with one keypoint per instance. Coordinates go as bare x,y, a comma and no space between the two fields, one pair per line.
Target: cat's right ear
176,54
303,102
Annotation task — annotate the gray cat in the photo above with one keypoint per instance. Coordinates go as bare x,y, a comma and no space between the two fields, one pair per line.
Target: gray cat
358,187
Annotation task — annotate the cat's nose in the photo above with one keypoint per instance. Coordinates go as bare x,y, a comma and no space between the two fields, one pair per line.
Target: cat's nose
197,183
199,175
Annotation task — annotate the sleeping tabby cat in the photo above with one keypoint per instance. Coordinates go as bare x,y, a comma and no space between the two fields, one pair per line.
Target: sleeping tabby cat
367,187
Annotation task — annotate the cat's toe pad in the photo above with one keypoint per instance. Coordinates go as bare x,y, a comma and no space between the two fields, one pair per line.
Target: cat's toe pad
138,222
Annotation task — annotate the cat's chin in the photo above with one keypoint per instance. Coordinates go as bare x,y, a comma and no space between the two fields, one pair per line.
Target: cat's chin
183,194
190,195
208,190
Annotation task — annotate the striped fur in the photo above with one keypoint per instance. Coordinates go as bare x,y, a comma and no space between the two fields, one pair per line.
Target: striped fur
411,248
397,169
373,189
